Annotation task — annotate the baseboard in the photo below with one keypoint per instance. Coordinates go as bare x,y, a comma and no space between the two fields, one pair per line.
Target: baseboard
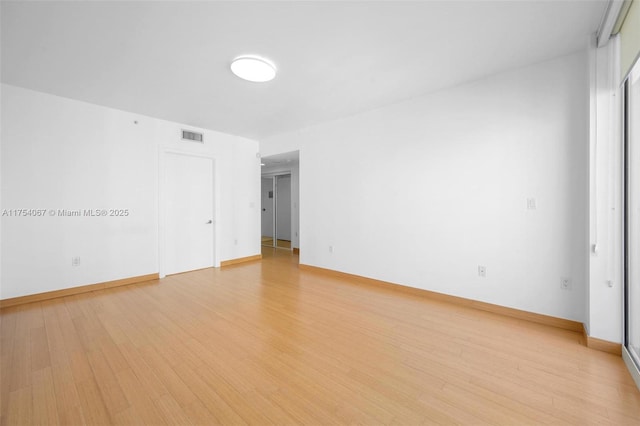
240,260
38,297
296,250
601,345
483,306
631,366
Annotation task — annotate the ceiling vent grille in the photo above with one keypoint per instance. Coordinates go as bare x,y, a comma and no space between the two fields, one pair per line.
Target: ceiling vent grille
188,135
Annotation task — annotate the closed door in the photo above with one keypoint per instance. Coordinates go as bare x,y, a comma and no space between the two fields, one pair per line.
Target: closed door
267,210
188,200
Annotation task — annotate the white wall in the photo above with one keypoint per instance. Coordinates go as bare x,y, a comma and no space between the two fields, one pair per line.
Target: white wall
59,153
422,192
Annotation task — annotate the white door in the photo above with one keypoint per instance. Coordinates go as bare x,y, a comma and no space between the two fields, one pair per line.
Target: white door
267,207
188,206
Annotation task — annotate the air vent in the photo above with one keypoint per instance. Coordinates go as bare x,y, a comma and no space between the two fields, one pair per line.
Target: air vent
188,135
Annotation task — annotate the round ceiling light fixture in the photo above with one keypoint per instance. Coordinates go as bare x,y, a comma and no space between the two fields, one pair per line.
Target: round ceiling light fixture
253,68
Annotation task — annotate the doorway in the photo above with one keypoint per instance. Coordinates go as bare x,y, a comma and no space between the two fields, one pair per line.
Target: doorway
188,206
276,211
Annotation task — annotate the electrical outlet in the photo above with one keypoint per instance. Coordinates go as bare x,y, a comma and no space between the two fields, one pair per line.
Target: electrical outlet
531,203
565,283
482,271
75,261
235,241
330,249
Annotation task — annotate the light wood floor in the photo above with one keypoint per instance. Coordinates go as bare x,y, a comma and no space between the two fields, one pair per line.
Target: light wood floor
266,343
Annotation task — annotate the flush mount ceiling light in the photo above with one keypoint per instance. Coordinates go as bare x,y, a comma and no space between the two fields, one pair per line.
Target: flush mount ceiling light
253,68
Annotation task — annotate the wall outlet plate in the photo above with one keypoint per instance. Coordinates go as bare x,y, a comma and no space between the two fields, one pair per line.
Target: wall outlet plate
565,283
482,271
531,203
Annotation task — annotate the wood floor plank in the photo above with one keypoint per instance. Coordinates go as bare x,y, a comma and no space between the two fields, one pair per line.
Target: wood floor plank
141,401
7,339
232,397
128,417
487,406
273,413
199,414
150,383
72,417
269,343
93,408
221,411
20,364
112,354
80,366
111,392
171,411
39,349
301,410
57,348
20,407
66,392
177,388
65,322
45,411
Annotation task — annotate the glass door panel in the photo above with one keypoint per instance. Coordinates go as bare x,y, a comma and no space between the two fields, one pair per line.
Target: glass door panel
633,213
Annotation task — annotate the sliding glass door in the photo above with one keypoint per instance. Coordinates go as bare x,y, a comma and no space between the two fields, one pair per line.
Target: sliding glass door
632,212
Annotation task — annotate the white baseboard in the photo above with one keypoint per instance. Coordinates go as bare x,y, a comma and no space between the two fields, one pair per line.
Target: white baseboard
631,366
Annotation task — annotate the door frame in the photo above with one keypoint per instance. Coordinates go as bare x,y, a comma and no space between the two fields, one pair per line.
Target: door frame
162,219
629,357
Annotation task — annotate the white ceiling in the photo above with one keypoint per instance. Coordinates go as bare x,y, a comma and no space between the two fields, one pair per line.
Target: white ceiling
335,58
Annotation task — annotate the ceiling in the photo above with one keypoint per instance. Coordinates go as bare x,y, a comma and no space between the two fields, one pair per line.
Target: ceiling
335,58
